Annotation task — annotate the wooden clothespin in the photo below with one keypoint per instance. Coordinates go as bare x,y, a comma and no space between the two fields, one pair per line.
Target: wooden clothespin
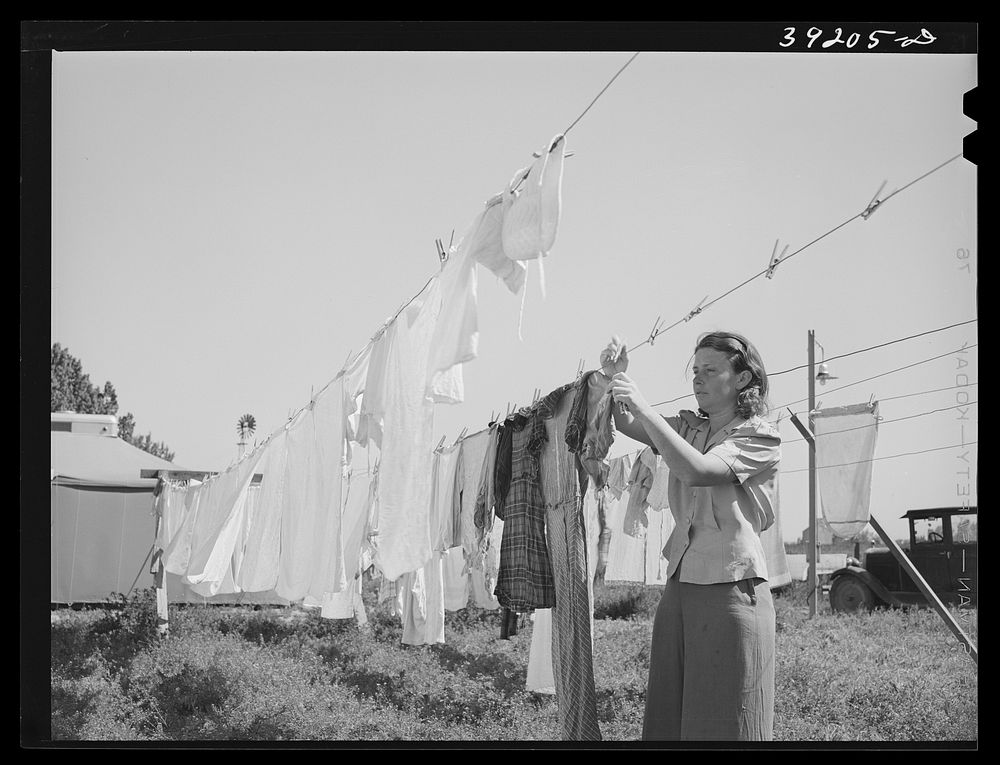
440,444
442,252
775,258
656,330
873,205
696,310
461,436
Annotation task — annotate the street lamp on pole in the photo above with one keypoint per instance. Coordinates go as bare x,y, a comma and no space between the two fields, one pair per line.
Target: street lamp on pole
812,557
813,552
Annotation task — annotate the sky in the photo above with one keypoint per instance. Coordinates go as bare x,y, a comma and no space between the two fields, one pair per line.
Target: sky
227,227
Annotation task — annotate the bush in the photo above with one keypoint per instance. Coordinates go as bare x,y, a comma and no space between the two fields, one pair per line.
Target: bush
625,601
127,627
89,705
211,686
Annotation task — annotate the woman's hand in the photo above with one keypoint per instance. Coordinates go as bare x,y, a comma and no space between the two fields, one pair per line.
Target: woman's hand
625,391
614,358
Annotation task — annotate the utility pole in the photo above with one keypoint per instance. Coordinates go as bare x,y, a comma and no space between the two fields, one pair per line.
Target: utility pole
813,553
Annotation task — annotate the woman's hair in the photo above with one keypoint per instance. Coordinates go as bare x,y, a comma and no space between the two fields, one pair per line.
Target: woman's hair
744,357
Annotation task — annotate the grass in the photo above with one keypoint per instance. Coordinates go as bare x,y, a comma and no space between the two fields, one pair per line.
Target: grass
246,674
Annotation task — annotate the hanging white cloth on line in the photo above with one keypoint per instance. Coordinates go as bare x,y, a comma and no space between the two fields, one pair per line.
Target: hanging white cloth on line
845,445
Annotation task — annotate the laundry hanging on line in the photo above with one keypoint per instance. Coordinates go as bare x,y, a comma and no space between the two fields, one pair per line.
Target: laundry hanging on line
845,445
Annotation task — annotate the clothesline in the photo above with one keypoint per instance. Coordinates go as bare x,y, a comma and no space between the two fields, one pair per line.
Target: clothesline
776,260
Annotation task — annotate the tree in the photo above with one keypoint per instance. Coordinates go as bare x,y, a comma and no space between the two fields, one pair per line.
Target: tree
71,390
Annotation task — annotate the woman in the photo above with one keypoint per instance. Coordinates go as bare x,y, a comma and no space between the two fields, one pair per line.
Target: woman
711,668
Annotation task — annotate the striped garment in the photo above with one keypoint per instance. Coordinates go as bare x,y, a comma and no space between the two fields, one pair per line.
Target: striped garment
564,483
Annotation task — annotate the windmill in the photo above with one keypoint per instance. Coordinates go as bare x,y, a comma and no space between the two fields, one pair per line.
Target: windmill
245,428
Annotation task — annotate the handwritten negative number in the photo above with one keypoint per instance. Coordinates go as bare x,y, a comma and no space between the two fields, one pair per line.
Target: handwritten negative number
814,33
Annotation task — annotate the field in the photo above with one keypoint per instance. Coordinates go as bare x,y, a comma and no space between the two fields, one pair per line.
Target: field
246,674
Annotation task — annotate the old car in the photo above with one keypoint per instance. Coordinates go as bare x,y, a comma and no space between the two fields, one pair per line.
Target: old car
943,547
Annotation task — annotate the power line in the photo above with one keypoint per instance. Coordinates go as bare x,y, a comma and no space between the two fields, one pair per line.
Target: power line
887,457
873,347
863,214
924,392
848,385
883,422
891,371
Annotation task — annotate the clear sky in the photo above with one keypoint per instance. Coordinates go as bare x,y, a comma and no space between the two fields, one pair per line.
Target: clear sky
227,227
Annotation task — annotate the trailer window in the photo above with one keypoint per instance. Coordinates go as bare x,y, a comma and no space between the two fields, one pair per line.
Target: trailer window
927,530
963,529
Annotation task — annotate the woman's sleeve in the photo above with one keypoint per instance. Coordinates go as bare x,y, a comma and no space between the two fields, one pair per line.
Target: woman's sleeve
749,452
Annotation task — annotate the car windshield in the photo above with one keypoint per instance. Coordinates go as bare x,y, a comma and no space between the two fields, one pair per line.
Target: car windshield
927,530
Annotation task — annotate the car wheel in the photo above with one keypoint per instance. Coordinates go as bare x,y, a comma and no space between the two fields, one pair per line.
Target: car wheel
849,594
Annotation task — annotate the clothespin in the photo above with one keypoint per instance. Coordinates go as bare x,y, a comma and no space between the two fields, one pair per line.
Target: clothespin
440,444
442,253
775,258
870,399
461,435
696,310
451,240
534,398
873,205
656,330
508,411
579,369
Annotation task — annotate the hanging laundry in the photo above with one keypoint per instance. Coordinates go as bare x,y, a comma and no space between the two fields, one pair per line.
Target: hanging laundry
372,410
177,553
484,243
590,432
443,518
357,503
778,572
468,478
404,542
565,482
640,482
170,510
540,677
218,524
456,333
845,434
627,553
311,561
259,569
355,378
531,221
524,580
239,553
422,603
484,514
457,584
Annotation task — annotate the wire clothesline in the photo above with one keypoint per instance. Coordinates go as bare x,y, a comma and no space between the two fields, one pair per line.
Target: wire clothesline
886,457
352,358
864,214
891,371
874,347
882,422
852,353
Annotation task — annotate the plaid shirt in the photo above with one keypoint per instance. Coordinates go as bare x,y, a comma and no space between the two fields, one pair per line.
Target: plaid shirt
524,580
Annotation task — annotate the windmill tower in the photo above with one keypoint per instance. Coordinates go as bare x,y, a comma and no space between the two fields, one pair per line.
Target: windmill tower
245,428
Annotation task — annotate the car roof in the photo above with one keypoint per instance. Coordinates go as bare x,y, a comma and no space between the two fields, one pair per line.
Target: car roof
935,512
